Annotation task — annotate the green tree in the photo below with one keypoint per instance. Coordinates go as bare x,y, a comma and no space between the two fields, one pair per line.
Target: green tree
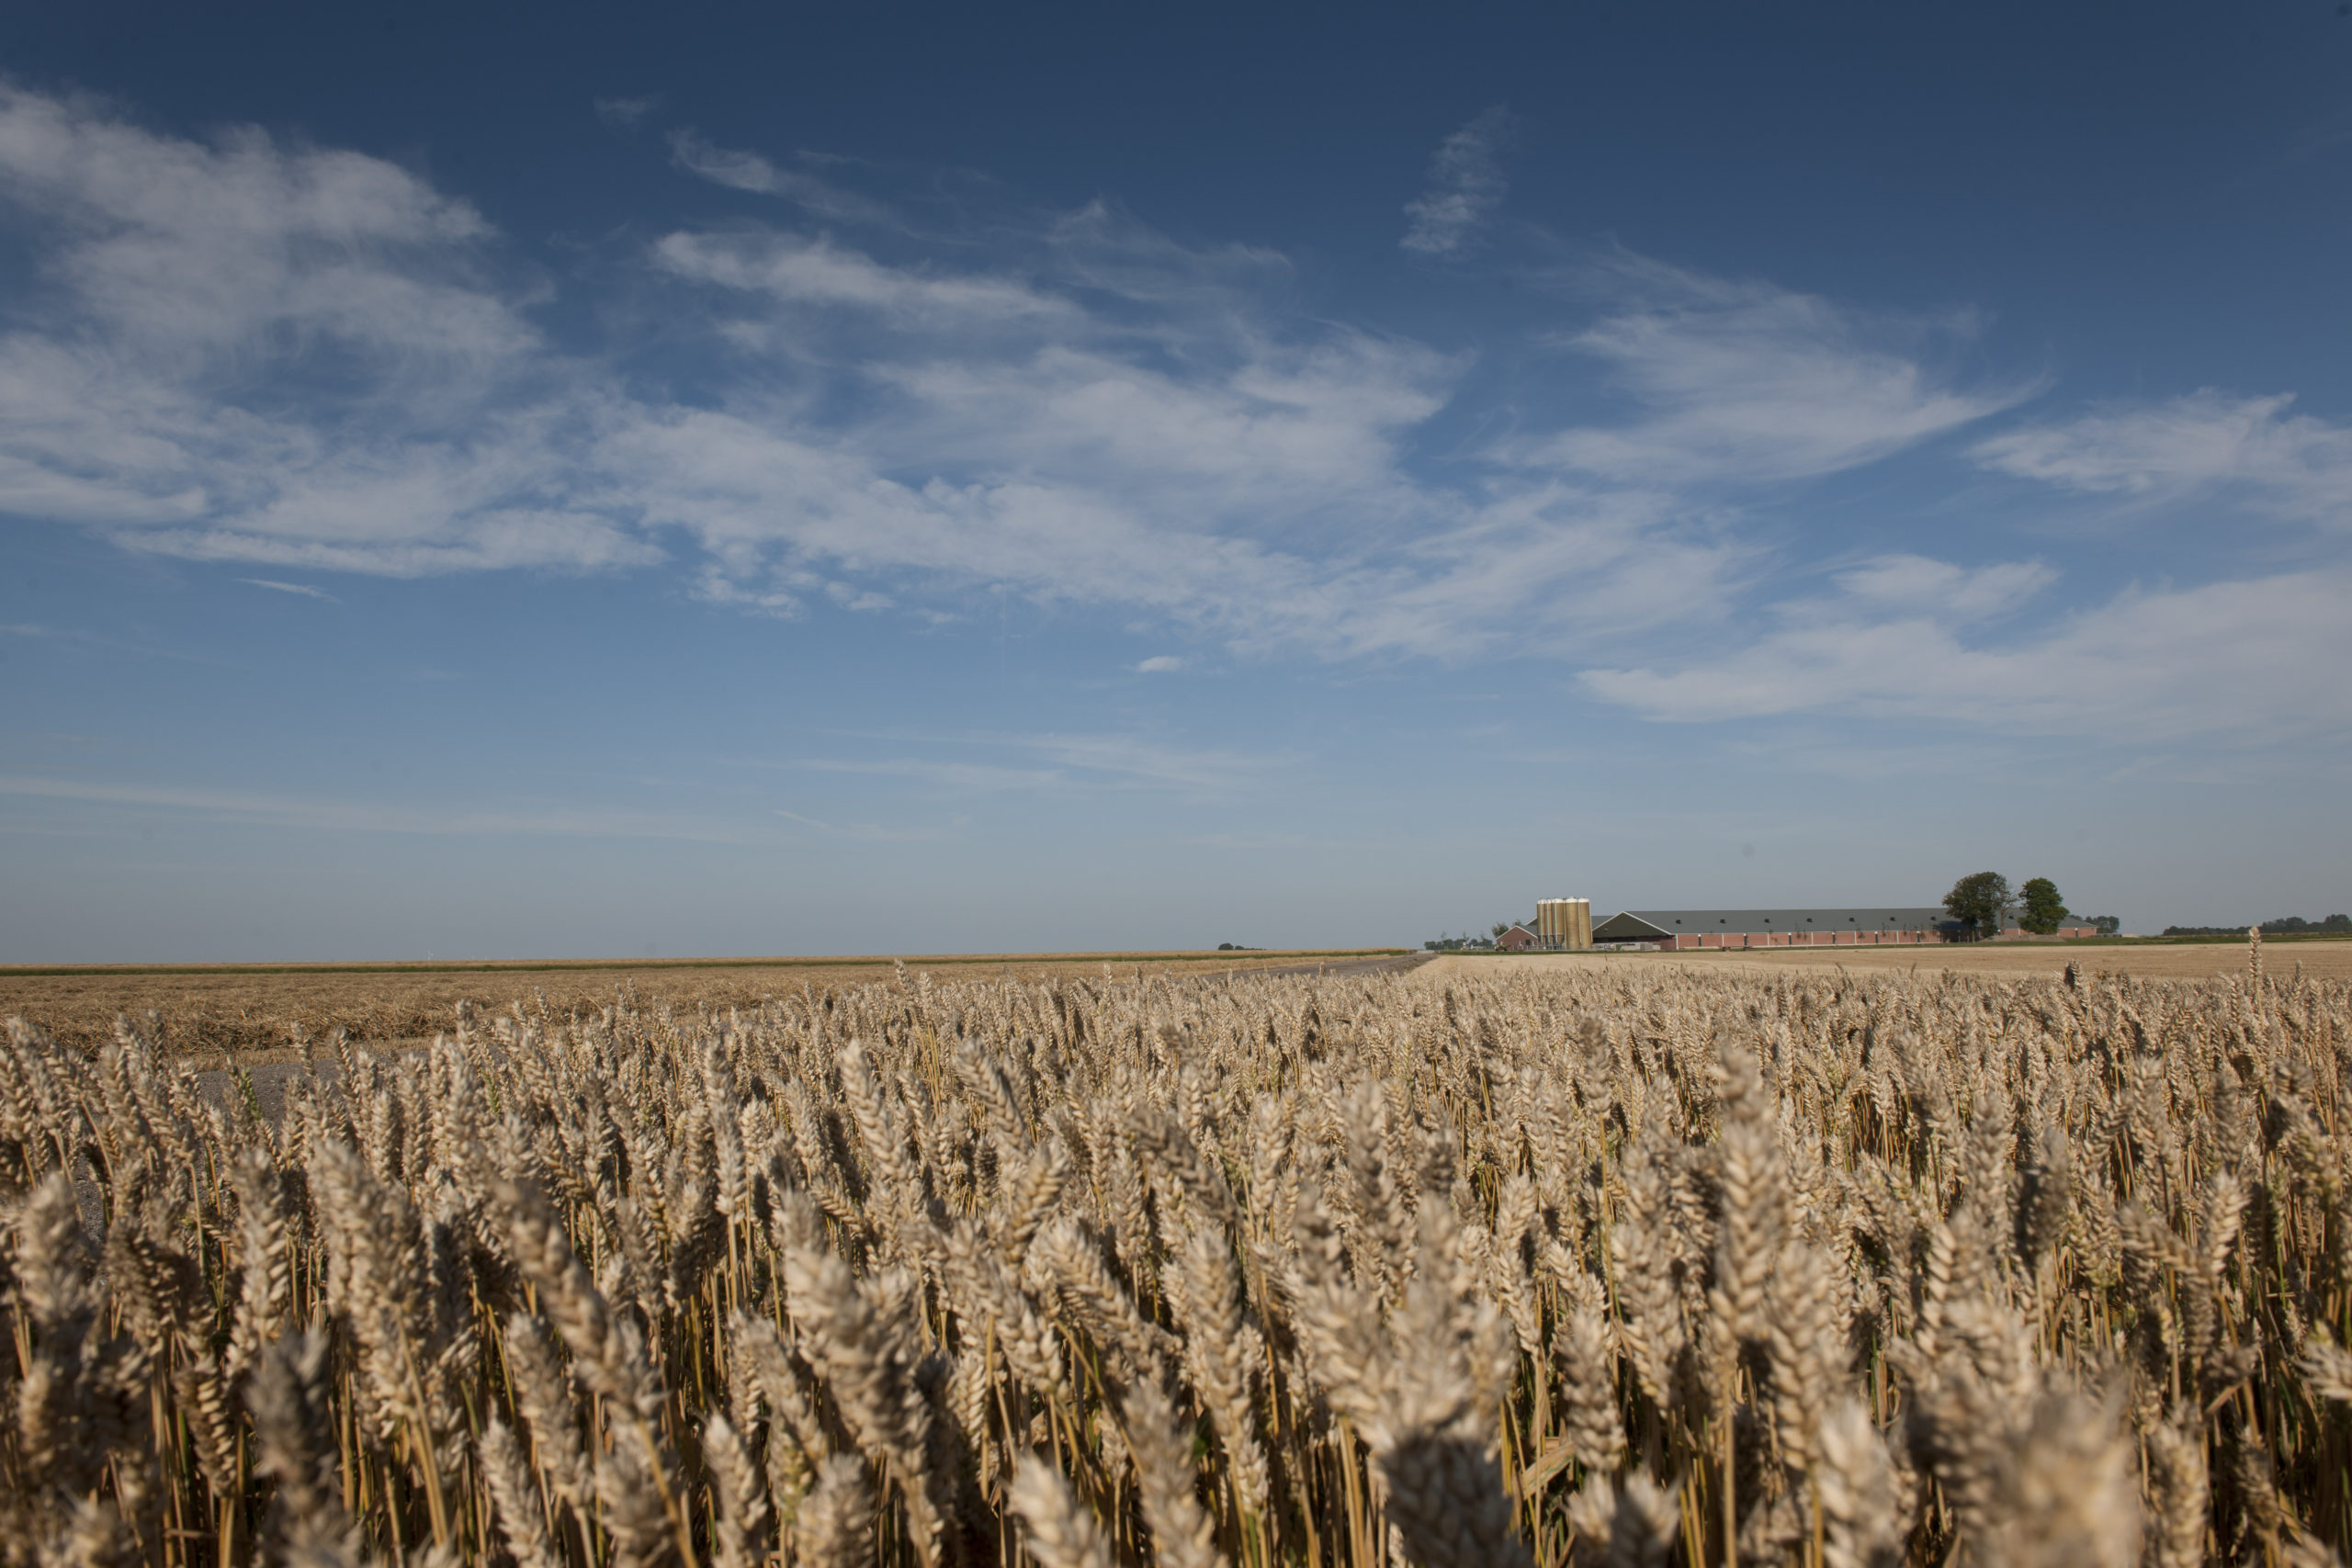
2044,912
2107,925
1978,902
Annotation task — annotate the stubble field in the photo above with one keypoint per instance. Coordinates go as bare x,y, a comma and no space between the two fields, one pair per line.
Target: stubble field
1627,1264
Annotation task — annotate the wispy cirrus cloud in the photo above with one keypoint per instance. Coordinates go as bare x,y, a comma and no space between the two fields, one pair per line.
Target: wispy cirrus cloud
240,351
816,273
1949,595
2202,443
627,114
742,170
2253,659
1466,185
75,637
302,589
1744,382
247,351
867,832
1063,762
963,778
1148,762
368,817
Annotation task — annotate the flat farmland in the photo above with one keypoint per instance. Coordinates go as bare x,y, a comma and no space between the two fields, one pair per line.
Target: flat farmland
257,1010
2154,961
1626,1261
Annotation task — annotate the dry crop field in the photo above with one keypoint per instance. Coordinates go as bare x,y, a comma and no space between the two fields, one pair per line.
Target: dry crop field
1624,1265
260,1011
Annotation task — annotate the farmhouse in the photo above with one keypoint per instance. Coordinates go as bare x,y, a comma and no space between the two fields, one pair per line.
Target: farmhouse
1519,939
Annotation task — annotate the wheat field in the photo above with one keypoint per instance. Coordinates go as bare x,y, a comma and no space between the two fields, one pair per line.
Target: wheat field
1628,1266
251,1011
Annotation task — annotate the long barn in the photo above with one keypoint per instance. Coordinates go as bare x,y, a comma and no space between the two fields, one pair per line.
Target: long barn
1775,928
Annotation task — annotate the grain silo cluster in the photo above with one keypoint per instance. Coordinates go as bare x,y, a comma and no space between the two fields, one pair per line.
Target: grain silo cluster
1564,923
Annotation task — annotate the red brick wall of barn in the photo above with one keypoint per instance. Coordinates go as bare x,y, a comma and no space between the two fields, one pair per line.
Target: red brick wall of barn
1833,937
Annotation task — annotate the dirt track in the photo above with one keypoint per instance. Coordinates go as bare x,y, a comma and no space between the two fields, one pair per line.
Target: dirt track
2324,960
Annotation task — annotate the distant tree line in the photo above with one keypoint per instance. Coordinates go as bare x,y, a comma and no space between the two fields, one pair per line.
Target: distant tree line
2288,925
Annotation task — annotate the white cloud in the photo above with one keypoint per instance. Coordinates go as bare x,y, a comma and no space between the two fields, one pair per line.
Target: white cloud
303,589
866,832
1951,594
1466,185
1170,450
819,274
248,352
245,351
1159,664
1745,382
748,171
627,114
1150,763
181,249
338,815
2254,659
864,601
1165,452
242,351
1068,762
2294,465
112,645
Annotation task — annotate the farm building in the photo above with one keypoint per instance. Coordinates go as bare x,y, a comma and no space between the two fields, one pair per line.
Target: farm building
1516,940
1789,928
1774,928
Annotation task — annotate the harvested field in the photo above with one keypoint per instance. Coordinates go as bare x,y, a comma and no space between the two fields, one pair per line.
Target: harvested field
258,1011
1635,1263
2321,960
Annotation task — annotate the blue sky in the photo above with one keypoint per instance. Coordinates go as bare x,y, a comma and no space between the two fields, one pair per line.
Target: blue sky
747,479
